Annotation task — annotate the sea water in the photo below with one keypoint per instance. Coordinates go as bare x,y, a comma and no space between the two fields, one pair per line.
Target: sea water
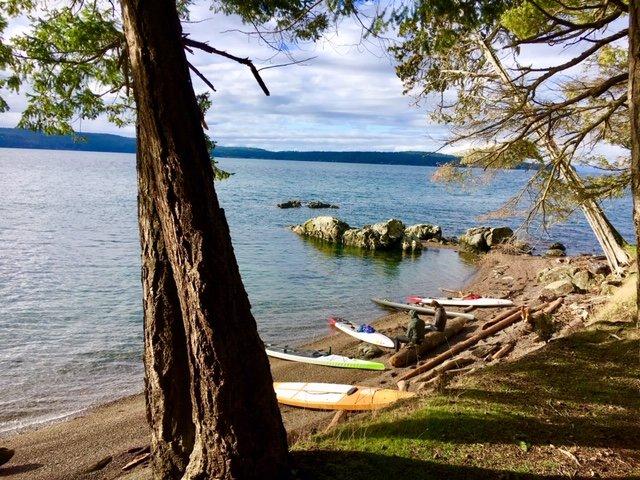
70,295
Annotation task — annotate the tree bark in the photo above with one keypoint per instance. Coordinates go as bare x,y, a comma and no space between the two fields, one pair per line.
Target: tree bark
634,104
168,398
237,427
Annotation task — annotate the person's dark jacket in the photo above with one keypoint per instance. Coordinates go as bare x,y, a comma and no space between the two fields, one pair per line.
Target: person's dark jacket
416,330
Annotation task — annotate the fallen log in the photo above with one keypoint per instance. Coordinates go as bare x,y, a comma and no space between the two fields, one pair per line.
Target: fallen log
501,316
411,353
504,351
450,365
460,347
459,371
484,351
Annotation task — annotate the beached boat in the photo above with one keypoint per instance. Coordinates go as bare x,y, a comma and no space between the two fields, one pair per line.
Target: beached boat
332,396
326,359
423,310
470,301
375,338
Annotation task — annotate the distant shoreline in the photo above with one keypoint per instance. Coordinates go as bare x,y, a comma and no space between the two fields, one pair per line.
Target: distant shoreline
100,142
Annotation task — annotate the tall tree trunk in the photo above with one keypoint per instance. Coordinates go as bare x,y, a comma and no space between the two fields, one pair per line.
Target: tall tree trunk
237,427
167,379
634,103
608,237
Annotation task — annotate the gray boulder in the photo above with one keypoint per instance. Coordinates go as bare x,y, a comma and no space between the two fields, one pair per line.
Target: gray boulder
290,204
411,244
557,246
582,279
364,237
560,288
380,236
482,239
498,235
424,231
326,228
554,274
555,252
599,268
475,239
368,351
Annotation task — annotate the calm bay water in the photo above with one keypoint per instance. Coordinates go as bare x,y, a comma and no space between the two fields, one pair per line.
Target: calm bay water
70,308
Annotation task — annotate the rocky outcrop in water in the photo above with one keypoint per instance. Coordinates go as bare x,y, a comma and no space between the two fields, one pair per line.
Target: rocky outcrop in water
379,236
389,235
312,204
317,204
482,239
556,250
424,231
290,204
325,228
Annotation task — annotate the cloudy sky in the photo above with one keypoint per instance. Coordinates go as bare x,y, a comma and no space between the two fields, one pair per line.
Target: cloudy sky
346,98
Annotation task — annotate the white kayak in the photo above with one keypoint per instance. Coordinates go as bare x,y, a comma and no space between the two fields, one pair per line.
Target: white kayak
421,310
482,302
316,357
349,328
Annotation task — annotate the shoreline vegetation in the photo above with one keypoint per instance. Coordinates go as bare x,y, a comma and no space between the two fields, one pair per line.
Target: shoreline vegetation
561,400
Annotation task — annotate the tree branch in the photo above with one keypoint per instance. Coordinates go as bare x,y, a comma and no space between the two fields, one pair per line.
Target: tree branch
202,77
205,47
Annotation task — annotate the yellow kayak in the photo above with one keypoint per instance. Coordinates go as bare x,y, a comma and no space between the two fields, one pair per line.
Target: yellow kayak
333,396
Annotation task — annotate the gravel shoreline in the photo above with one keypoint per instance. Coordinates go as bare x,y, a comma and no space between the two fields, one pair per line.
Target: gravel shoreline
66,450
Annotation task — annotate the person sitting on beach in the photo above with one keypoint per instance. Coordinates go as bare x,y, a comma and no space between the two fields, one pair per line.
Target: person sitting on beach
415,331
440,317
417,327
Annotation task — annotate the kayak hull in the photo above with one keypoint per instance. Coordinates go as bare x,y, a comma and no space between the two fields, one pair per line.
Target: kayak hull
331,396
315,358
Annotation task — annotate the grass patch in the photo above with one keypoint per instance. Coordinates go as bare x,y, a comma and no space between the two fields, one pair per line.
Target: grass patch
580,394
622,305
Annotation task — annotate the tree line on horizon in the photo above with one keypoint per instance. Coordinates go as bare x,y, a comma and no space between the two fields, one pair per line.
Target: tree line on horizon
210,402
102,142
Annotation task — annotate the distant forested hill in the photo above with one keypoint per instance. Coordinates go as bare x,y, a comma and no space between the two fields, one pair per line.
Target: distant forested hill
102,142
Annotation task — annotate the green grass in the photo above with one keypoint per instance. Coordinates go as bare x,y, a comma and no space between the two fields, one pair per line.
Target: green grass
580,393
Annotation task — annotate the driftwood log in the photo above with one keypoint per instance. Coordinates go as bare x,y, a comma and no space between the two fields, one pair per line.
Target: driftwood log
411,353
462,346
504,351
500,317
456,363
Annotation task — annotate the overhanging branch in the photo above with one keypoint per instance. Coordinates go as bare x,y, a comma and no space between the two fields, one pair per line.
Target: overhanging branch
205,47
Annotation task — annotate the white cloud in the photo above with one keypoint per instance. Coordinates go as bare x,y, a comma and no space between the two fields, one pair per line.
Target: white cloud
346,98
